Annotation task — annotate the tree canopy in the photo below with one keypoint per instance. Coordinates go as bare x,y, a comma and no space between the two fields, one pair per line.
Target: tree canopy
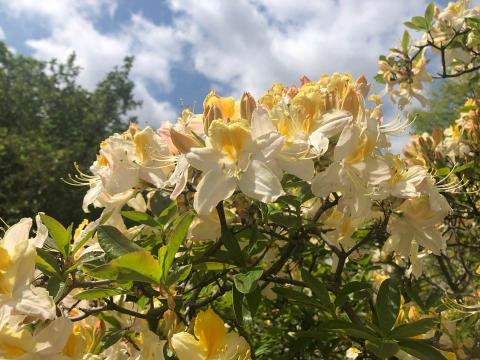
48,122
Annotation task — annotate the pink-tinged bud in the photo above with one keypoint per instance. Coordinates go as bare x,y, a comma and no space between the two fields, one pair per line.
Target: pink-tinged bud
247,106
304,80
211,113
362,85
170,319
292,91
437,135
98,333
422,142
183,142
350,102
171,302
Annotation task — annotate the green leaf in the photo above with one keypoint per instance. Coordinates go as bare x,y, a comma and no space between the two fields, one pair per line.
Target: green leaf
167,215
354,286
57,288
411,25
214,266
382,348
233,247
429,13
388,304
319,290
421,350
140,265
160,202
59,234
419,22
176,238
286,220
48,264
299,297
253,300
405,41
246,282
473,23
178,275
93,294
415,297
237,298
379,78
351,329
463,167
140,217
444,171
114,243
413,329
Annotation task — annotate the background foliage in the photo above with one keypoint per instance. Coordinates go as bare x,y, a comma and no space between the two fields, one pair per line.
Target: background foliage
47,123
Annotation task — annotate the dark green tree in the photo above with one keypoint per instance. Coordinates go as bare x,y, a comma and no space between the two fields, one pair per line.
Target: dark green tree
47,123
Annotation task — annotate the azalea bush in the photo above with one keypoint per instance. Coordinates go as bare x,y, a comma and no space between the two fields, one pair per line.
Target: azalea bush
281,227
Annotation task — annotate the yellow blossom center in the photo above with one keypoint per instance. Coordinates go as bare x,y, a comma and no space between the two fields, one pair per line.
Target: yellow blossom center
5,262
230,139
210,331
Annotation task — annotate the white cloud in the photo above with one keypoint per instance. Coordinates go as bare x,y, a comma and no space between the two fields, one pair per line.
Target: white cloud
250,44
239,45
2,34
72,28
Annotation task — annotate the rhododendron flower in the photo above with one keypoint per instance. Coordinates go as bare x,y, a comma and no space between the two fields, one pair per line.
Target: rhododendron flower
123,163
17,269
356,168
230,159
17,342
416,220
211,341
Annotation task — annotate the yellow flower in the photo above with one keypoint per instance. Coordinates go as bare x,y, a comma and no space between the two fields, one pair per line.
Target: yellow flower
211,341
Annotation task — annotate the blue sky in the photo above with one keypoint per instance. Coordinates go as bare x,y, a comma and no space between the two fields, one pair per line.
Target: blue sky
185,48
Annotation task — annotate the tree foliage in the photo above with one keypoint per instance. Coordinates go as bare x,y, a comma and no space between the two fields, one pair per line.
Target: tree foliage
48,122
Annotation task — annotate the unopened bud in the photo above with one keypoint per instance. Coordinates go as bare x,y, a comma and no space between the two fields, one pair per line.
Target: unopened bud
350,102
247,106
304,80
171,302
362,85
98,334
437,135
292,91
211,113
183,142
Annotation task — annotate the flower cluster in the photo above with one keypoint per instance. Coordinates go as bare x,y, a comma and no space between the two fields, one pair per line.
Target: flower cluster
451,34
210,220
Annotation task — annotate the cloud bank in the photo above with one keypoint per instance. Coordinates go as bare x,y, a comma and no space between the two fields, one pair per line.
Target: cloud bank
235,45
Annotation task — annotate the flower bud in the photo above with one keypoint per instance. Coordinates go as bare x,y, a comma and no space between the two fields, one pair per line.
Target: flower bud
183,142
98,333
247,106
211,113
304,79
350,102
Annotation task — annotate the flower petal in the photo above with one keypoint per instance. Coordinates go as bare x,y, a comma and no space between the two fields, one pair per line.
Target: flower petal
36,302
301,168
214,187
261,123
204,159
187,347
259,182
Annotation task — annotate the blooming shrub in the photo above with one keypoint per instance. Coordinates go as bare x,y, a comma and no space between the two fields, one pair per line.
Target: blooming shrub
277,227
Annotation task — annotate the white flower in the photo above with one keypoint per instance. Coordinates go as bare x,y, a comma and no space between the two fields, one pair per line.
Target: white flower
17,269
16,342
230,159
415,219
